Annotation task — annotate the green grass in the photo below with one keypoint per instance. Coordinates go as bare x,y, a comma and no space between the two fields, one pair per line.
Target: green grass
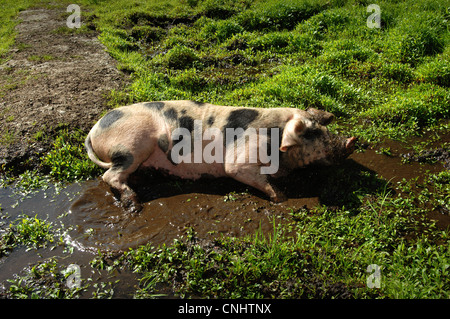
67,161
296,53
31,232
9,10
41,58
326,257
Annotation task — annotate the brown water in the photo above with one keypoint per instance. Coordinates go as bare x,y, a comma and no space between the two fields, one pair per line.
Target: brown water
222,206
210,213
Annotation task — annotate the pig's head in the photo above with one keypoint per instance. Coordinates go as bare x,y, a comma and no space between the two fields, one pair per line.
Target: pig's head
306,140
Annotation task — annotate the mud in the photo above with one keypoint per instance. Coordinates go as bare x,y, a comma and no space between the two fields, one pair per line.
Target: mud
53,206
213,208
216,207
401,163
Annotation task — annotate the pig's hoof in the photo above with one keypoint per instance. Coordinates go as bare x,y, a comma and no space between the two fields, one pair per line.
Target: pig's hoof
278,198
132,204
134,208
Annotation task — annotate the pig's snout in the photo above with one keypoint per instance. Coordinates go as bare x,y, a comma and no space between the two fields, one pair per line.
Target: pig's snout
350,144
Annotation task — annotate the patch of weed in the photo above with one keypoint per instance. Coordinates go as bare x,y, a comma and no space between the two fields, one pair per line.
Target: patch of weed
7,137
67,161
254,267
278,15
41,58
31,232
43,280
180,57
9,11
436,71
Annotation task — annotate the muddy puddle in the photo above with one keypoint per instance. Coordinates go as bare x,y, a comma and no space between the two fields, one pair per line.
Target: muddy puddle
213,208
225,207
102,223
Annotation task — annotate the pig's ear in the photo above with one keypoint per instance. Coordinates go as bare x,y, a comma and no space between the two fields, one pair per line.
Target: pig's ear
322,117
292,130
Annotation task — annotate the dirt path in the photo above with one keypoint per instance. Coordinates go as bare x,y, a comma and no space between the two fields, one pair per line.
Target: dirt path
53,77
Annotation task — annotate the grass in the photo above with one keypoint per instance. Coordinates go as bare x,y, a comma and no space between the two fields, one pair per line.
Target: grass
66,161
296,54
26,231
41,58
9,10
326,257
387,83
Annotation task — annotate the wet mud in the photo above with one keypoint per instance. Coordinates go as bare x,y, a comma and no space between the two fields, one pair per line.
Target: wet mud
211,207
216,207
102,222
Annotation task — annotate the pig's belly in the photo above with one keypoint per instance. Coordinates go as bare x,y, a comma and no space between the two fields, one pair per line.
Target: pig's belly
159,161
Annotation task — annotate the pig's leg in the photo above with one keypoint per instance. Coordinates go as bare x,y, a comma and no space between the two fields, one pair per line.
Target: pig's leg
118,181
117,177
250,174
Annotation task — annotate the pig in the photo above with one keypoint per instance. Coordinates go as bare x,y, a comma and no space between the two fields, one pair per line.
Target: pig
149,134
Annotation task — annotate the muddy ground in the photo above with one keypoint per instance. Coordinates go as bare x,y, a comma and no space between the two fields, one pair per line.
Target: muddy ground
54,78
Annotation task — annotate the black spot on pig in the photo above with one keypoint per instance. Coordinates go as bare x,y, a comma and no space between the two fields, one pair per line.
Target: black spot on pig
110,118
187,122
237,119
163,143
171,114
198,103
211,120
241,118
154,105
121,159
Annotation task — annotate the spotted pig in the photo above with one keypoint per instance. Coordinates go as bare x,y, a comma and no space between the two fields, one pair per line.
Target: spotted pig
191,140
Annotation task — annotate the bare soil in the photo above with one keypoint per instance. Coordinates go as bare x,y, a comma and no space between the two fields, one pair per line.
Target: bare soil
54,78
